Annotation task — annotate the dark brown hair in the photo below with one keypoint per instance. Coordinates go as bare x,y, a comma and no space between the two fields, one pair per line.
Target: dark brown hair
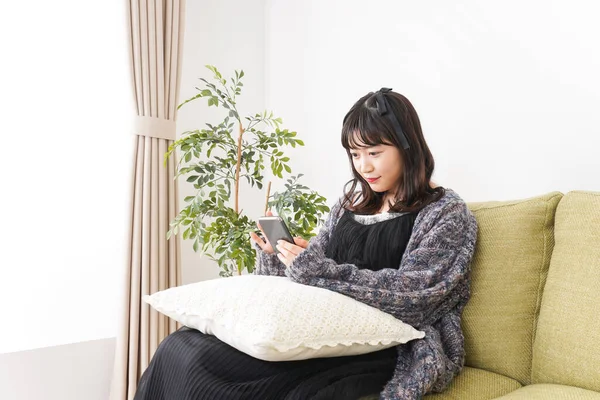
364,124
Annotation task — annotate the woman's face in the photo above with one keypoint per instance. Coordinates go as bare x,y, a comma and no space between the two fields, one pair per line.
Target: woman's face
380,166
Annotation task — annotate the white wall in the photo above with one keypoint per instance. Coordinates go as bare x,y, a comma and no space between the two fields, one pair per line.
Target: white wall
508,92
66,104
76,371
230,35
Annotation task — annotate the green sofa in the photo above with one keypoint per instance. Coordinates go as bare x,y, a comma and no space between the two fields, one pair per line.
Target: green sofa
532,325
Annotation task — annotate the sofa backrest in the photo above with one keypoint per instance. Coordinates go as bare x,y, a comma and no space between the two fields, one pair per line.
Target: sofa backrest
514,245
567,344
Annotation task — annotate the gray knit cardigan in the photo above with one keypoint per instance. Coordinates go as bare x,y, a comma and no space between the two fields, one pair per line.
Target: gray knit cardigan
428,291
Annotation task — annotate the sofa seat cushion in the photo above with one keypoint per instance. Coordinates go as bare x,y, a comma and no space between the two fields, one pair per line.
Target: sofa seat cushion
544,391
472,384
476,384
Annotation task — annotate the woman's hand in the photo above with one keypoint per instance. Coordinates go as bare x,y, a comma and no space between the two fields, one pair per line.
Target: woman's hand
288,252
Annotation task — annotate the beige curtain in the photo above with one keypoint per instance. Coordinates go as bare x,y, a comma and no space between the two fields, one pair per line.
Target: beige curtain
153,262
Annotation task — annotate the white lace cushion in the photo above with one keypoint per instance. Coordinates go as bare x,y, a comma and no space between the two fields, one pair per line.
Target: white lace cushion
275,319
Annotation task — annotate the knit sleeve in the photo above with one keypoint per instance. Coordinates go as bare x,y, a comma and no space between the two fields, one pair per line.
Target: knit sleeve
433,276
267,264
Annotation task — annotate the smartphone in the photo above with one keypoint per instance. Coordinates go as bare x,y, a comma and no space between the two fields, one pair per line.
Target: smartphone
275,229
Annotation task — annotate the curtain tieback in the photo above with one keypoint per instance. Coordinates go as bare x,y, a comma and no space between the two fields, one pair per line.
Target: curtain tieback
155,127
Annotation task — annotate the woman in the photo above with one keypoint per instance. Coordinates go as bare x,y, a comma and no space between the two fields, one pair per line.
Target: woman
401,244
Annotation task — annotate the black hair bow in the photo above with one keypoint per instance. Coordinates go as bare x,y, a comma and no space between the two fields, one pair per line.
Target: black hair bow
383,108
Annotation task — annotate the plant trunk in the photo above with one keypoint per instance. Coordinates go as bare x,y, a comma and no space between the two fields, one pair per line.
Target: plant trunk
237,178
237,169
267,199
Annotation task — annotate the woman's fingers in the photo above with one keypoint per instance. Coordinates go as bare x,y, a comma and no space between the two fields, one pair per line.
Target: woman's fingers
263,244
288,252
288,249
301,242
284,255
256,239
263,232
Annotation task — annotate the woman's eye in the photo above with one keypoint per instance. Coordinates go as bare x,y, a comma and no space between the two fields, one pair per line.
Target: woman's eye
374,153
354,155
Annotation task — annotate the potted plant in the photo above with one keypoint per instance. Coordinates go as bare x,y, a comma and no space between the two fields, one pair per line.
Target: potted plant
216,158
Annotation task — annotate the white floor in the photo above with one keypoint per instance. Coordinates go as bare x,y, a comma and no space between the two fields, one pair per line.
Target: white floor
78,371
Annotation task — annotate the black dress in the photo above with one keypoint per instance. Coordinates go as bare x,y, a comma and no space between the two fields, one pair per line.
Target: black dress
191,365
373,246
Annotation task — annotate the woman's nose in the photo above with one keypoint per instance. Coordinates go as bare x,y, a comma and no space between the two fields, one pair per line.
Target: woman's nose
365,167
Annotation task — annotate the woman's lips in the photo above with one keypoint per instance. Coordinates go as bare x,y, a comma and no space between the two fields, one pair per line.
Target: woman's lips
371,180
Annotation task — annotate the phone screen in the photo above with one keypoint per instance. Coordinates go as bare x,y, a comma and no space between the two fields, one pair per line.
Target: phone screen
275,229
